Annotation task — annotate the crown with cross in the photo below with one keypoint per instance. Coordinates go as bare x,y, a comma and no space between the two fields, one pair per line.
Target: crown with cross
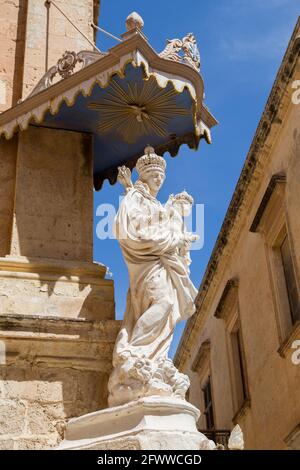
150,162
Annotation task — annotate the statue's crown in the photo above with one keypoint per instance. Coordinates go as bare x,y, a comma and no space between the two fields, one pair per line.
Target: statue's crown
184,196
150,161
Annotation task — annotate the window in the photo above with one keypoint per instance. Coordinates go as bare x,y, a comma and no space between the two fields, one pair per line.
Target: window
283,282
228,310
239,367
208,405
201,365
290,280
271,221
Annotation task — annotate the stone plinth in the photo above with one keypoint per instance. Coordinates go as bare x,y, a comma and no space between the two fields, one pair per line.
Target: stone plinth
57,333
51,369
151,423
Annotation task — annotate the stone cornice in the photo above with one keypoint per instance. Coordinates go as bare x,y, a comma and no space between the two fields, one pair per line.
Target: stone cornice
277,104
201,356
227,296
292,440
286,345
276,179
67,342
41,266
57,328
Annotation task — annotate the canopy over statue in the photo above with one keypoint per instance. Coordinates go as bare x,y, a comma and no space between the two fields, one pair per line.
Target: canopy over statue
155,247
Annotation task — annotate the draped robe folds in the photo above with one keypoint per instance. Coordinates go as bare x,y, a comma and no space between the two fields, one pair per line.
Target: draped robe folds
160,292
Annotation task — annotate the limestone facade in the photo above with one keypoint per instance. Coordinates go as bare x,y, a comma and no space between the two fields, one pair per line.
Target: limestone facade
56,308
57,327
239,348
51,369
54,220
33,36
12,37
8,159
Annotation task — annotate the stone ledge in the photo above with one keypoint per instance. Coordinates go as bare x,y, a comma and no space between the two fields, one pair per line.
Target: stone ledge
245,406
29,325
287,343
50,288
293,439
48,265
61,343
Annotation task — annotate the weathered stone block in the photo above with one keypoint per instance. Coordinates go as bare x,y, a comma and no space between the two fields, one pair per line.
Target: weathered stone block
33,390
6,444
9,409
54,202
36,443
40,420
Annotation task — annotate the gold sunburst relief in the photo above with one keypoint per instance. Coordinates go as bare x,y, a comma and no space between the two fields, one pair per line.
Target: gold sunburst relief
137,109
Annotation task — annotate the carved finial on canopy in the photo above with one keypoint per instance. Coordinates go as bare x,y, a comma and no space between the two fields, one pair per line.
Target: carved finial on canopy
134,20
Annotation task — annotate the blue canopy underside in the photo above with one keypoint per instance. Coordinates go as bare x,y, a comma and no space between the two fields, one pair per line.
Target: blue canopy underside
111,148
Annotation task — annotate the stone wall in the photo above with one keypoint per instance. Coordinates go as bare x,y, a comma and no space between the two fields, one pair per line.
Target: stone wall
54,195
32,39
49,35
47,288
57,333
12,41
57,327
50,370
8,156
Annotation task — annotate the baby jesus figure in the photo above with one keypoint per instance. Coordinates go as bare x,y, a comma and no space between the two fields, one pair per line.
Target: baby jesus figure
179,206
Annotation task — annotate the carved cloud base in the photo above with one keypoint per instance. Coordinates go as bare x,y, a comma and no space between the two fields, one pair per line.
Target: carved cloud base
151,423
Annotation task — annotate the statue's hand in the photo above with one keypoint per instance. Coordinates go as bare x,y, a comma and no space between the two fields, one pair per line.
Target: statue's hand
124,176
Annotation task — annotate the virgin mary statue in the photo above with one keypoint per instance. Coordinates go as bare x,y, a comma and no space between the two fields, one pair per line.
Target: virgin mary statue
160,291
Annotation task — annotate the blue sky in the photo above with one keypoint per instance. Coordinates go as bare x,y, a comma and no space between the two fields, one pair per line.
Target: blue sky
241,45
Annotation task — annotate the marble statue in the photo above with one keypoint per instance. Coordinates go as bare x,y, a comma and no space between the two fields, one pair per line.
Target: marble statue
147,407
155,244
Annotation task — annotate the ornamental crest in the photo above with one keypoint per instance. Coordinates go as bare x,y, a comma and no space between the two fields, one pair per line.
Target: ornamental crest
188,49
66,64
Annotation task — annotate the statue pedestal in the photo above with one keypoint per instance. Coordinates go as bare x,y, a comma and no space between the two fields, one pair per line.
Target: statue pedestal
150,423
